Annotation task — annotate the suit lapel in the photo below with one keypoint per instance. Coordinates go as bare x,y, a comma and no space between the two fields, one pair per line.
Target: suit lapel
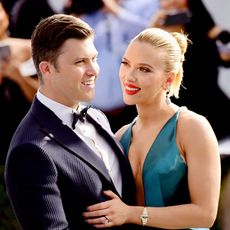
112,142
53,127
128,188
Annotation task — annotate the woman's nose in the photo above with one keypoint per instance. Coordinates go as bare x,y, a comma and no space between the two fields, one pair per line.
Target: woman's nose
130,75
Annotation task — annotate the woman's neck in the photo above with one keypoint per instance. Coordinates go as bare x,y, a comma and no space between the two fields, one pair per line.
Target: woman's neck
148,113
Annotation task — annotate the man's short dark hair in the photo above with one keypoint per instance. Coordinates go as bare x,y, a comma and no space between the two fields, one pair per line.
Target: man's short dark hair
50,34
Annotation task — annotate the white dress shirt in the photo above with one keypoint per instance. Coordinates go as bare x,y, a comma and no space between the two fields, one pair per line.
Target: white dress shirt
87,132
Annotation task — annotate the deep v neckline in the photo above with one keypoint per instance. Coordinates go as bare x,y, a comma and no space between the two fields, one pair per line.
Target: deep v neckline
163,169
154,143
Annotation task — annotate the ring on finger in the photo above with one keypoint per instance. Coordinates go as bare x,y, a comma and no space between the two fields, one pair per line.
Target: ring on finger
107,220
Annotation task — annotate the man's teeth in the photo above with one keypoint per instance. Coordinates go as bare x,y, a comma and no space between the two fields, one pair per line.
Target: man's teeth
88,82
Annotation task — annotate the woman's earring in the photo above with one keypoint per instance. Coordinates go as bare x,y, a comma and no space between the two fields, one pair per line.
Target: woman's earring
168,101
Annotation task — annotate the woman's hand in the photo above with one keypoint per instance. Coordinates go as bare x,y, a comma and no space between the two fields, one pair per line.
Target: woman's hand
109,213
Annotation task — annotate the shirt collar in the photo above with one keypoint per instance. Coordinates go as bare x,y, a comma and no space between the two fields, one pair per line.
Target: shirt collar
62,111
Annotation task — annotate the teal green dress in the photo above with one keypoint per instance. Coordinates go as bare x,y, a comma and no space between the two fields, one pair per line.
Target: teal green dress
164,171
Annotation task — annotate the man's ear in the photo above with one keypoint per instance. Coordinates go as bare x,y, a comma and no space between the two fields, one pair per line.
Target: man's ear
45,67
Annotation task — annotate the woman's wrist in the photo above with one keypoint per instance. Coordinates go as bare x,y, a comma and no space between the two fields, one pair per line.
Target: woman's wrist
144,216
134,215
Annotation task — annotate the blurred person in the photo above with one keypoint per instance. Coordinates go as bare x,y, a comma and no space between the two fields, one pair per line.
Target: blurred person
17,88
63,154
115,23
8,4
177,173
200,91
26,14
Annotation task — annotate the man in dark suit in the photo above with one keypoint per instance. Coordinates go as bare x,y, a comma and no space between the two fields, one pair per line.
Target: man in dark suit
63,156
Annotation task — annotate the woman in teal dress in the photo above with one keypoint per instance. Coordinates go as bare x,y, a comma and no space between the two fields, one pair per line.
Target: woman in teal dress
172,150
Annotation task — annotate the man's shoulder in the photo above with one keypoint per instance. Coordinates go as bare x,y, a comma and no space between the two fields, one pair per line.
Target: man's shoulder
100,117
97,114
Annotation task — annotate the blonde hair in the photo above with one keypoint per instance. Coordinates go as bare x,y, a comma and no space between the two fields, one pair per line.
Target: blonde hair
174,45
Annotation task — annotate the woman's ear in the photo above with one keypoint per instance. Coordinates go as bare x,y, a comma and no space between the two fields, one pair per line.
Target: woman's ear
169,80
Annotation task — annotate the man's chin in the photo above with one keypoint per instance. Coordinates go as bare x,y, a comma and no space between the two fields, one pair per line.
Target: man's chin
88,98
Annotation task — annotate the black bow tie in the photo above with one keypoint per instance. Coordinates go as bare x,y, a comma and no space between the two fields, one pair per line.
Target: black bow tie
79,116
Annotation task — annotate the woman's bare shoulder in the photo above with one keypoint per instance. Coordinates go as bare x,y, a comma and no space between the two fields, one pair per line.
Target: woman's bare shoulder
194,125
195,135
190,118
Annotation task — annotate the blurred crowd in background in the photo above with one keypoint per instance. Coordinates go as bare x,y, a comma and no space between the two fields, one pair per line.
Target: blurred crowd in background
115,22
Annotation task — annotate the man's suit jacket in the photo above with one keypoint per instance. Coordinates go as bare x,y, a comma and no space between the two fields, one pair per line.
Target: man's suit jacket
52,175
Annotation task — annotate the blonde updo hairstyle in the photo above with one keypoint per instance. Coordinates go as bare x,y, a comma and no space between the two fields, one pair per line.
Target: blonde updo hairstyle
174,45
